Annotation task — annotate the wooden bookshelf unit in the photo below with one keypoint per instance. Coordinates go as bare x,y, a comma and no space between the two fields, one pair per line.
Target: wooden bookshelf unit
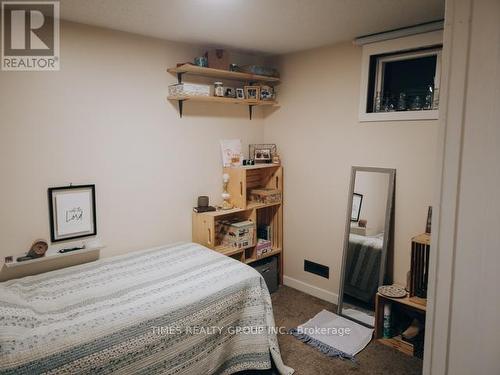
241,181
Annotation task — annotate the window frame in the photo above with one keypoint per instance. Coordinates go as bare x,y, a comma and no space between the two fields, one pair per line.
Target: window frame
381,61
397,49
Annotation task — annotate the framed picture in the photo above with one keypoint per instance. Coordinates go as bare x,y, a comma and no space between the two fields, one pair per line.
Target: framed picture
259,146
252,92
262,155
266,93
231,152
72,212
229,92
240,93
357,199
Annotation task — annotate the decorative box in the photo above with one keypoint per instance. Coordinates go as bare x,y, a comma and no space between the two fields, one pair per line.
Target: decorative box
218,59
265,195
263,246
236,234
189,89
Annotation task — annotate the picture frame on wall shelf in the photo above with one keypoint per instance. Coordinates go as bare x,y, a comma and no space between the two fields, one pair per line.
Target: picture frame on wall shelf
72,212
240,93
266,93
229,92
252,92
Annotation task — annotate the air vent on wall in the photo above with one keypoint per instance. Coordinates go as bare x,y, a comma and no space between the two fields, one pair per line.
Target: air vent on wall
317,269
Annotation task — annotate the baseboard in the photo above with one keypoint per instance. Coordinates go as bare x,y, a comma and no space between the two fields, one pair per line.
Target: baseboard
310,289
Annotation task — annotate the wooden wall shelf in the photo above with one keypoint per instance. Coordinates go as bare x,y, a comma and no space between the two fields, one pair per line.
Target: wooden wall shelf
219,73
217,99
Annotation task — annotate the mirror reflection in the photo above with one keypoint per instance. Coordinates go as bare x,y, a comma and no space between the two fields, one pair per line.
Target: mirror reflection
366,242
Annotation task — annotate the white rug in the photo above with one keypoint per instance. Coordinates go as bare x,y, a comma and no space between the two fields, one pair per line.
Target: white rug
334,335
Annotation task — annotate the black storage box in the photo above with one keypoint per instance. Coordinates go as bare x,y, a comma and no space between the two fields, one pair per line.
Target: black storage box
268,268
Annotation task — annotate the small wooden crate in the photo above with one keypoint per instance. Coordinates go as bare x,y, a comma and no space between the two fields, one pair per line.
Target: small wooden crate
419,271
399,305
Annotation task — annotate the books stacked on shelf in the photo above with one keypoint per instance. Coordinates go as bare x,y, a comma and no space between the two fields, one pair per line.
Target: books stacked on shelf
265,232
235,233
265,195
263,247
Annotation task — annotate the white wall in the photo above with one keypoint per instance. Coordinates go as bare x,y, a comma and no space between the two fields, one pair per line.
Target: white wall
319,138
462,321
374,188
104,119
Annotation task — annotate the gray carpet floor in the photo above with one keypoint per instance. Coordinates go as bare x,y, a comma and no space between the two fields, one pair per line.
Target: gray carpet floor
292,308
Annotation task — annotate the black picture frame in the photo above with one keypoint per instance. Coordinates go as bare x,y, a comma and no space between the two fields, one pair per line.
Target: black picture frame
355,218
51,193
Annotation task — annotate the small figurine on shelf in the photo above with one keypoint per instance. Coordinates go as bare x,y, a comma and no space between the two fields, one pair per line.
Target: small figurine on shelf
226,205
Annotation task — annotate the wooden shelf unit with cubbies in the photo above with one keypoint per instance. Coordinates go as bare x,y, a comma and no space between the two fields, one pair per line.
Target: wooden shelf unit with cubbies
414,304
241,181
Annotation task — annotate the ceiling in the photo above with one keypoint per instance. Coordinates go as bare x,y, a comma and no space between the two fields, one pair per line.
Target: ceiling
261,26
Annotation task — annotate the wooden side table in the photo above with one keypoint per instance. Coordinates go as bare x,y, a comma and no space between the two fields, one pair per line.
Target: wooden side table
414,304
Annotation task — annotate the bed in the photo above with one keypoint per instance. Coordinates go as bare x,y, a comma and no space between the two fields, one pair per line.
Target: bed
179,309
362,266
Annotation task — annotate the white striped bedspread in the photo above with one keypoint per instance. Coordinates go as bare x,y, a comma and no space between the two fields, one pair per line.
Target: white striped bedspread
178,309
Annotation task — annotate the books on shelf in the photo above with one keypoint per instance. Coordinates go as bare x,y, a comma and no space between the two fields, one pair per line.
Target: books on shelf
265,232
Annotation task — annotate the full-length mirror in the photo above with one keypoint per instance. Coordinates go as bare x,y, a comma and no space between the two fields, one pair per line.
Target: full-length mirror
366,242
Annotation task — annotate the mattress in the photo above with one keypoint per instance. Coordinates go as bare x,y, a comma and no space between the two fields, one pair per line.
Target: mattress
179,309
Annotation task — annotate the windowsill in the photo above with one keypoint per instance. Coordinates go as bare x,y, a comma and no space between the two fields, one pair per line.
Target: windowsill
399,116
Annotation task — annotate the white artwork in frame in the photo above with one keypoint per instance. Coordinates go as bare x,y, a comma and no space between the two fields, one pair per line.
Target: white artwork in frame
231,152
72,212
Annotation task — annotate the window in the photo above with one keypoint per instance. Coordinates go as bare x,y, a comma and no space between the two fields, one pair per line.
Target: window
400,78
404,81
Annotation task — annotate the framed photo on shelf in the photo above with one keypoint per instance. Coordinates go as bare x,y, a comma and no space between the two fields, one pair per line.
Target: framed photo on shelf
252,92
231,152
262,155
240,93
262,150
72,212
229,92
357,199
266,93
